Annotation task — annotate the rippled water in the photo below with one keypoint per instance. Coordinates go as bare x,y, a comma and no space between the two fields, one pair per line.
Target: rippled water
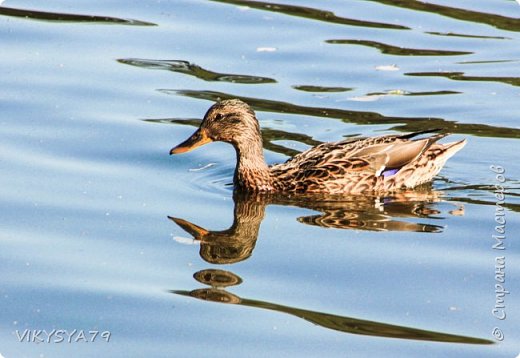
102,231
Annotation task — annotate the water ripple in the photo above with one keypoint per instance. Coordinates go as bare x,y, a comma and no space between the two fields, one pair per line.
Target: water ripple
192,69
454,34
311,13
357,117
314,88
398,51
62,17
460,76
498,21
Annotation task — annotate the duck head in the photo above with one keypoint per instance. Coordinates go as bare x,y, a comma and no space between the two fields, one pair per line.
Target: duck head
231,121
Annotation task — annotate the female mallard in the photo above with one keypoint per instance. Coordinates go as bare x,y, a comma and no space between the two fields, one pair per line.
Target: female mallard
378,164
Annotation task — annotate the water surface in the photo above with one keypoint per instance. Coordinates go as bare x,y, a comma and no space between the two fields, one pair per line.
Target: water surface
101,230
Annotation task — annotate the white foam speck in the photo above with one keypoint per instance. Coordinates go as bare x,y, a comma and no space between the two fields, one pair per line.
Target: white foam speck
387,68
266,49
202,168
184,241
369,98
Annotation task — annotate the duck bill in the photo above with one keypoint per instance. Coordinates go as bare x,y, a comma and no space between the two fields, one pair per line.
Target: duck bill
196,140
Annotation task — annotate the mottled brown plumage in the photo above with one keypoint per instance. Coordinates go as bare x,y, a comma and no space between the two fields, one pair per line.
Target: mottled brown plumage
376,164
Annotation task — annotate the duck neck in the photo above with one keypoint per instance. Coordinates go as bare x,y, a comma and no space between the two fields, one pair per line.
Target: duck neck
251,172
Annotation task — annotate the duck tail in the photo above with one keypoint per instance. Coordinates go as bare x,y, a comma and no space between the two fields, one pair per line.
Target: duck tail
451,148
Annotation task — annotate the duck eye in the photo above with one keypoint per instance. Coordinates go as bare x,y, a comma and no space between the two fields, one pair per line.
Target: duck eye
219,116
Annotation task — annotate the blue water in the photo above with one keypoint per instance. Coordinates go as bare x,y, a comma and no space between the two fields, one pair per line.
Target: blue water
90,107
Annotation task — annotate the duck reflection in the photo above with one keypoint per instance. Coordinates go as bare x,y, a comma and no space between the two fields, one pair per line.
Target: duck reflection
375,213
220,280
398,212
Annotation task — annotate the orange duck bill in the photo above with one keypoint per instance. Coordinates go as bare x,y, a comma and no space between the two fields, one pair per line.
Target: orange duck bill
196,140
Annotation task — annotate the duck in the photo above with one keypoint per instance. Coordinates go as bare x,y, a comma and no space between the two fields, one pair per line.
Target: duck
381,164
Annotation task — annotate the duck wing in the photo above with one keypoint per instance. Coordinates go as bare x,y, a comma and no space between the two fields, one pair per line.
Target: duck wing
393,154
372,155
